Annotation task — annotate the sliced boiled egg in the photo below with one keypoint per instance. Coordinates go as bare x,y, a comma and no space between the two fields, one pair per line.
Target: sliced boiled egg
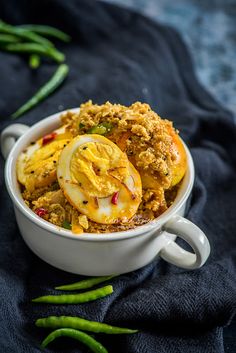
36,165
180,161
98,179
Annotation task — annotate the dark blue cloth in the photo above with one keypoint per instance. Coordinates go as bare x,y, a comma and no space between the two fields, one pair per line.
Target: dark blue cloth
121,56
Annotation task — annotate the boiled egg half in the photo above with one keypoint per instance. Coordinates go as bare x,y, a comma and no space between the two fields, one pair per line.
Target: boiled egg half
98,179
36,165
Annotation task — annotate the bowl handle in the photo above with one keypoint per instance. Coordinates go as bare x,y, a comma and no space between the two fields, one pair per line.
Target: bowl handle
9,136
193,235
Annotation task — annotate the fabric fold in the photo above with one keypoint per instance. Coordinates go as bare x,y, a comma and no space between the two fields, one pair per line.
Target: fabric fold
121,56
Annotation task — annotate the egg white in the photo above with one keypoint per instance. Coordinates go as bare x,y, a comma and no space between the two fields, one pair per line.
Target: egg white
100,209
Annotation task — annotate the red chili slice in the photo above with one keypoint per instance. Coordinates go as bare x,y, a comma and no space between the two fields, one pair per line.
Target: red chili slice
48,138
114,198
41,212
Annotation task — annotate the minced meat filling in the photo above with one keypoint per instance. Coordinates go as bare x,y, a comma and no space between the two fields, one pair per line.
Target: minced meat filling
148,142
144,137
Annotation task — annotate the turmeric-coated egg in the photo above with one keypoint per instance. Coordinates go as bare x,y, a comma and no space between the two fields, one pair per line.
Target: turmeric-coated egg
98,179
36,165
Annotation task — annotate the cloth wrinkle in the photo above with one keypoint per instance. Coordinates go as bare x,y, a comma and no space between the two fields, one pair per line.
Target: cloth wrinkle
122,56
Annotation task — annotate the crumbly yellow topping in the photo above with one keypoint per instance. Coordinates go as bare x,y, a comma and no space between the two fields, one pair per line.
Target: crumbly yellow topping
148,142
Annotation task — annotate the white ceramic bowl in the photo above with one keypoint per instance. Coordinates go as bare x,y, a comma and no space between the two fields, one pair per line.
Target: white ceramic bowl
102,254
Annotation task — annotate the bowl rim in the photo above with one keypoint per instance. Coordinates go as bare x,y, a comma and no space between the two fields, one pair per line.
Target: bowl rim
50,123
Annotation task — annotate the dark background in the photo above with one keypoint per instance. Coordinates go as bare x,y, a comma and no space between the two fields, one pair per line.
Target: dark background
122,57
208,28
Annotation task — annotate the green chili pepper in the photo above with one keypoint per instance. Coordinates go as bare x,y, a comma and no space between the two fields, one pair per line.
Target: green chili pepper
75,298
55,81
8,38
24,34
89,341
34,61
36,49
81,125
107,125
85,284
66,225
81,324
47,31
101,129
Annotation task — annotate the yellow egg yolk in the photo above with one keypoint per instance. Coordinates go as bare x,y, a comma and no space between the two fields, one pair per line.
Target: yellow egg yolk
99,168
98,179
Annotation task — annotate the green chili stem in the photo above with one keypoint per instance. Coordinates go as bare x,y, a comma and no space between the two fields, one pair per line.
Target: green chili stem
24,34
81,324
55,81
34,61
47,31
75,298
35,48
85,284
89,341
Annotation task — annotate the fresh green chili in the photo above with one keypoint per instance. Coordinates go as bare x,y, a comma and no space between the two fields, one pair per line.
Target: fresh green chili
8,38
47,31
89,341
75,298
81,324
85,284
55,81
101,129
83,337
34,61
24,34
66,225
36,49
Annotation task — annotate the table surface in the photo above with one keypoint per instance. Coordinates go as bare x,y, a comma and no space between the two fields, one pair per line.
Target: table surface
209,30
